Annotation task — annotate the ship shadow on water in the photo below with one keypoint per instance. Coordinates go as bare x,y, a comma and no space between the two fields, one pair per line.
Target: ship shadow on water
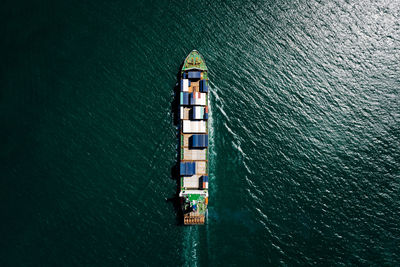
175,200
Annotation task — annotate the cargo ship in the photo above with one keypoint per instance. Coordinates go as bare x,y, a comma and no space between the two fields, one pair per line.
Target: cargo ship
193,143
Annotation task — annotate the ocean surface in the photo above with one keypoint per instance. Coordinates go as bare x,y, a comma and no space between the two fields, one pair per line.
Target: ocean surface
305,146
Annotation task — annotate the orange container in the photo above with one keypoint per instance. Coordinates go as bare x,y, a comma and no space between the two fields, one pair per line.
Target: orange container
206,200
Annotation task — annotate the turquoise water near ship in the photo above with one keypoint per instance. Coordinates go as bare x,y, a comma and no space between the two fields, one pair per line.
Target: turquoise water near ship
305,148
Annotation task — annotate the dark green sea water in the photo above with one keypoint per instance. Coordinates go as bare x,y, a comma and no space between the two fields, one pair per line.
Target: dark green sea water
305,148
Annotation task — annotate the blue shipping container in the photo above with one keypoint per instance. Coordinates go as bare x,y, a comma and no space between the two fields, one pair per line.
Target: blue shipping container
185,97
194,74
195,140
199,140
191,99
203,86
187,168
183,168
192,168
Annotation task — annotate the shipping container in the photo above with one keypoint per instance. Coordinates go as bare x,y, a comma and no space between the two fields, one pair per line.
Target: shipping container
187,168
182,113
198,113
194,154
185,85
199,140
185,100
198,98
194,74
203,86
191,181
194,126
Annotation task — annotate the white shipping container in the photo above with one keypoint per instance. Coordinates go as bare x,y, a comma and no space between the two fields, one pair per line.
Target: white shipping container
201,167
194,126
197,112
182,113
191,181
195,154
185,85
198,99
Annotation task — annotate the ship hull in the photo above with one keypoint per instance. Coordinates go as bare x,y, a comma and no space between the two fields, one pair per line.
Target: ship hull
193,139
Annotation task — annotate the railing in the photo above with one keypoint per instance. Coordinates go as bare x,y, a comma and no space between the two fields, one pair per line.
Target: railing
194,219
